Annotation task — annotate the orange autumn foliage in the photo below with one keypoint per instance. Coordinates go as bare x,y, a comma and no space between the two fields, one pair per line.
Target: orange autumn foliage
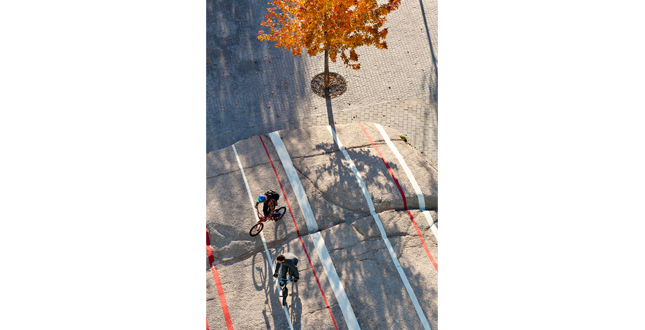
338,26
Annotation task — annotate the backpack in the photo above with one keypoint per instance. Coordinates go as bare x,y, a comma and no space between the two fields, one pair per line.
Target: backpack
270,194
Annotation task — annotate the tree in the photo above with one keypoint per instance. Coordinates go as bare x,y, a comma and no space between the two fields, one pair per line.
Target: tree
333,26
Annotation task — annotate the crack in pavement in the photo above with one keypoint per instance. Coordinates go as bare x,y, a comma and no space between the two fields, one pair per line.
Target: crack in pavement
226,259
328,152
322,308
233,171
361,225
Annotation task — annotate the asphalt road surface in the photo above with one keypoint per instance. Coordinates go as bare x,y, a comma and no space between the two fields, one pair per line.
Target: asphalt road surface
368,253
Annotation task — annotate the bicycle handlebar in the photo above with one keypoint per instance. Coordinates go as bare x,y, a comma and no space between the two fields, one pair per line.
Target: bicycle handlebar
284,281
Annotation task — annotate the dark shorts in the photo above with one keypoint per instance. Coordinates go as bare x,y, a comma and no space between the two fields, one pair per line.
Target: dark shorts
266,209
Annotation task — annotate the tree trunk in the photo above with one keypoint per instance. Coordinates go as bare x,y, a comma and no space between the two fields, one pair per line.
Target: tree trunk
326,69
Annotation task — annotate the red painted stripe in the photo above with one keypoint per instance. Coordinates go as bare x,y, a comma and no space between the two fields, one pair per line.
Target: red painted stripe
298,232
405,204
207,324
218,283
422,241
280,183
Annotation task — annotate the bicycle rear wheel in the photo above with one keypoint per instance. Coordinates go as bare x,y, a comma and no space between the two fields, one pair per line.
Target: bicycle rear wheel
255,230
279,212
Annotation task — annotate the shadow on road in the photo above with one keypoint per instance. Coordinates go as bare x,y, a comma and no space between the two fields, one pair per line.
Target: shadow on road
295,306
434,58
252,87
330,113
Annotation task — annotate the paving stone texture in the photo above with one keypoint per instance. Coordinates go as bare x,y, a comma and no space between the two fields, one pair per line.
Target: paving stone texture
361,259
254,88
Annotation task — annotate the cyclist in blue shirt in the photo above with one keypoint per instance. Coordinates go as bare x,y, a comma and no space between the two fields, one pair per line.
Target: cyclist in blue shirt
287,263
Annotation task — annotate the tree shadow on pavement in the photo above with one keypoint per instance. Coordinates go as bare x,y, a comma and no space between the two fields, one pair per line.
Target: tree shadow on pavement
371,280
331,175
366,271
419,270
330,113
252,87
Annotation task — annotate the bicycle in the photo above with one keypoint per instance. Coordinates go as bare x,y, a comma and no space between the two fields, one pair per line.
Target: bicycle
284,290
277,215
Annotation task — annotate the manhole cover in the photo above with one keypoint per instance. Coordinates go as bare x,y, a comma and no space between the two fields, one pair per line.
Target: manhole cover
337,85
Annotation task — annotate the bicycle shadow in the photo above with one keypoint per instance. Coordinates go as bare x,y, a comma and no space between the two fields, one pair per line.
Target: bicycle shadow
259,271
295,306
262,281
280,224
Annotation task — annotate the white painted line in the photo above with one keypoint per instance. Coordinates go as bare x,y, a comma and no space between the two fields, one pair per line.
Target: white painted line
334,281
310,220
368,198
417,190
354,169
264,242
319,242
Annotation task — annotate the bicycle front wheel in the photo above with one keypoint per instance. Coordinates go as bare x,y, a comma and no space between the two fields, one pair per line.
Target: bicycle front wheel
255,230
279,212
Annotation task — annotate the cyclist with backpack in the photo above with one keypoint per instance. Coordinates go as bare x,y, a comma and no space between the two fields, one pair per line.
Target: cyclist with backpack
270,200
271,213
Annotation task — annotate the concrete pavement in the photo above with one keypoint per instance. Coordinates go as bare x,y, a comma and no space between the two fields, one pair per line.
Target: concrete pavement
360,256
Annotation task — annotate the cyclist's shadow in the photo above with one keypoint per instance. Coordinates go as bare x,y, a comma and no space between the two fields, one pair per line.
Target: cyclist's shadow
295,306
280,225
262,274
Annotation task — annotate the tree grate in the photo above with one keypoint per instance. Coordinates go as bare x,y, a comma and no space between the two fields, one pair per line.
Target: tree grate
337,85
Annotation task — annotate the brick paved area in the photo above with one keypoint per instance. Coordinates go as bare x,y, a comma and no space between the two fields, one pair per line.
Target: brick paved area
254,88
415,118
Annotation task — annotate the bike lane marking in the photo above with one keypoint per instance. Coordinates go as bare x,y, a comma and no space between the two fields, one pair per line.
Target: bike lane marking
368,199
405,204
298,232
319,242
264,242
417,190
218,283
